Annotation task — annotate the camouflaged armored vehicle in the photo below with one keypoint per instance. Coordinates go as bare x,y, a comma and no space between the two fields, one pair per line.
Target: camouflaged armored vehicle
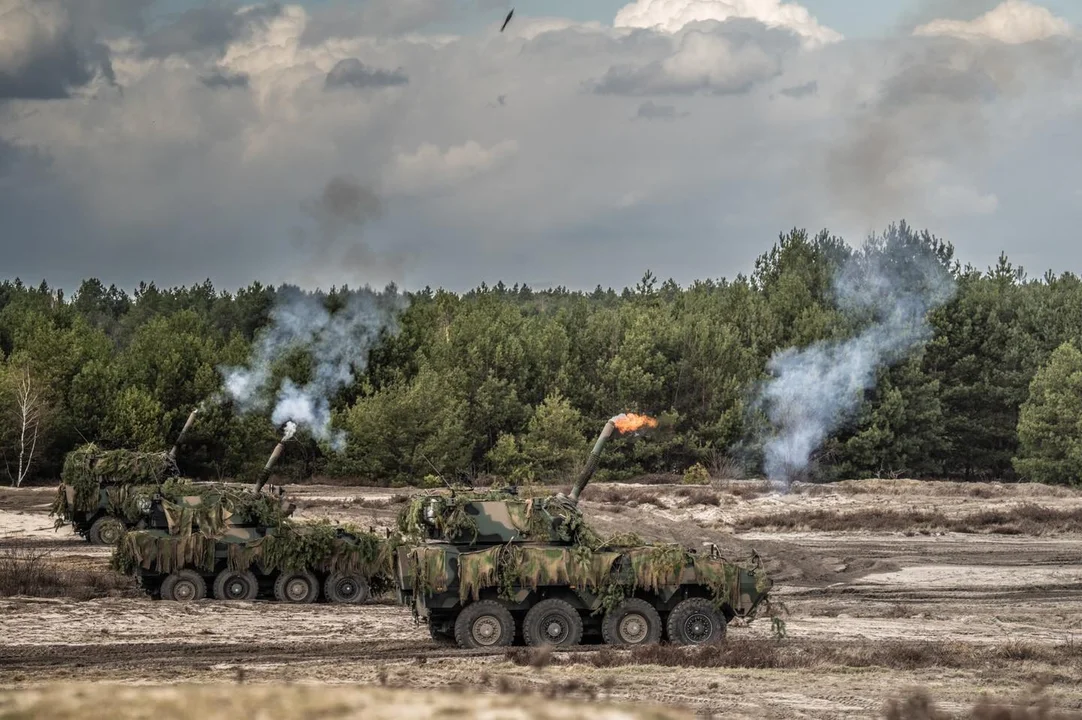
488,569
242,545
104,492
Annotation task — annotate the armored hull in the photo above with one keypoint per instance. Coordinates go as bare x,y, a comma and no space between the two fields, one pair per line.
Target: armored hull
490,570
213,554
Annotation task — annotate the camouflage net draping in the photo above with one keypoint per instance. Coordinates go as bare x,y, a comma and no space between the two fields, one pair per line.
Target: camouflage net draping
548,519
89,468
288,546
612,568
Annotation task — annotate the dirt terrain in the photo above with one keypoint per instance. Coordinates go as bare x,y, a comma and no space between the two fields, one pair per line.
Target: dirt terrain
872,612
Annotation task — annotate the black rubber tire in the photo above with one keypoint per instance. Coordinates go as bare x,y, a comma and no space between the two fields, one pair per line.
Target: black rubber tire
287,587
488,612
696,621
236,585
106,530
552,622
346,588
188,583
632,622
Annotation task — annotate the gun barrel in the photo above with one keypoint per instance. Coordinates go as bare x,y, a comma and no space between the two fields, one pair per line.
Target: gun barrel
265,474
591,462
183,431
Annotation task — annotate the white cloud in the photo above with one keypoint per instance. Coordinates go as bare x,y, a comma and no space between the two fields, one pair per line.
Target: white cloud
497,159
703,61
672,15
1012,21
430,168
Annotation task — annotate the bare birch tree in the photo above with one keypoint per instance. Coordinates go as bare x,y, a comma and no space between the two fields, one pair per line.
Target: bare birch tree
29,408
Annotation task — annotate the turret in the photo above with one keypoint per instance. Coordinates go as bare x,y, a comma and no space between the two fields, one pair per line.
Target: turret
291,428
183,431
491,518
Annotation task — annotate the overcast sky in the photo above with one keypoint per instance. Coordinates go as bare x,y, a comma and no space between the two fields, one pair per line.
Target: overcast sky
369,141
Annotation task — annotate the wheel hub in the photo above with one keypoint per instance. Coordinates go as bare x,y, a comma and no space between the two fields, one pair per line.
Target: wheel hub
633,628
555,628
184,590
237,588
110,534
698,628
297,589
347,588
487,630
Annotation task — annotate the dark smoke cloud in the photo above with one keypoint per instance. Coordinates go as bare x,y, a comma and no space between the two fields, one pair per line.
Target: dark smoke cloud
342,212
938,101
799,91
352,72
206,29
650,110
225,81
56,51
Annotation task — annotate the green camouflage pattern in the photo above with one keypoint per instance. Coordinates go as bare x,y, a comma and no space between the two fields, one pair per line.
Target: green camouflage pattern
88,468
461,544
288,545
126,485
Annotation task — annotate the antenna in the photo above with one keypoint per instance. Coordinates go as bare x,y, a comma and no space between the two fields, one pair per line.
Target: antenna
439,474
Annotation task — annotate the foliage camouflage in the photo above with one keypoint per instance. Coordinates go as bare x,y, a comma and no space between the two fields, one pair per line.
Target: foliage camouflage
468,542
461,386
88,469
288,545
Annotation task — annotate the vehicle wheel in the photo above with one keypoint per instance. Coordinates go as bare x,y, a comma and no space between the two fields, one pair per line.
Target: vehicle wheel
184,586
552,622
106,530
296,587
632,622
696,621
345,588
236,585
484,624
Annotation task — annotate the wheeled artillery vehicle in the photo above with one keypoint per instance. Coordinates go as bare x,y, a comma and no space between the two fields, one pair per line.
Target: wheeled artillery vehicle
492,569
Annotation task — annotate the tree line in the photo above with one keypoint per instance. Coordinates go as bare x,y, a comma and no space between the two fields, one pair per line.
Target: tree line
515,382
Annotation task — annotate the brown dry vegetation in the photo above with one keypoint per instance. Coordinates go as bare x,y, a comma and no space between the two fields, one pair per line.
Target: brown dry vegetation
758,653
1022,519
935,488
30,571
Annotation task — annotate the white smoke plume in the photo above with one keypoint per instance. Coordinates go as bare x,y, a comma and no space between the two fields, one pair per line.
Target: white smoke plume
890,285
338,343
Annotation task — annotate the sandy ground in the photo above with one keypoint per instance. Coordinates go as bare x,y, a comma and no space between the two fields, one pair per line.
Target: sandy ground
851,589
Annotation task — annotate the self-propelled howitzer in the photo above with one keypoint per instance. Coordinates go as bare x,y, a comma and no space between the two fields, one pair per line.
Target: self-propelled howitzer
241,544
485,569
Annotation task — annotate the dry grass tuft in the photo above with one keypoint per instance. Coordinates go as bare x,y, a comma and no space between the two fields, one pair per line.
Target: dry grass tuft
29,571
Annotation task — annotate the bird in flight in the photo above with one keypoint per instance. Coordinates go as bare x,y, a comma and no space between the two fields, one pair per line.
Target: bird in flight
507,19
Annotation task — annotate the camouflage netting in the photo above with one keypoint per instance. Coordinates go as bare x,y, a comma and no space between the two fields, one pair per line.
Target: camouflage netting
88,468
289,545
610,574
541,519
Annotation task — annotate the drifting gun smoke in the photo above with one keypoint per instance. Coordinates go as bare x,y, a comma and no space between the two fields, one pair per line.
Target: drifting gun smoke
337,343
815,389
